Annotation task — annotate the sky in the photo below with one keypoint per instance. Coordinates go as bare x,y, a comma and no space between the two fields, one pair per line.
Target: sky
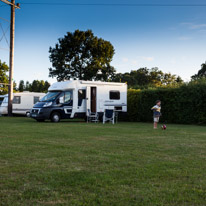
172,38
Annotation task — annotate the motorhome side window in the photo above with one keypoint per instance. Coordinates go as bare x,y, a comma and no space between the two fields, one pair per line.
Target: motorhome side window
36,99
81,96
114,95
67,98
17,100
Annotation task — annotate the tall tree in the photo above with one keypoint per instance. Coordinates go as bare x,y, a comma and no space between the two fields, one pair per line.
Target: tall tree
27,86
81,55
46,86
21,86
35,86
156,77
41,86
201,73
3,77
141,76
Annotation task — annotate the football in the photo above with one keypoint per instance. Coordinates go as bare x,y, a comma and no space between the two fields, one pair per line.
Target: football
164,127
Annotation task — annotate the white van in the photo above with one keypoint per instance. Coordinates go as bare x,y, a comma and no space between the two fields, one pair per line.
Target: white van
22,103
74,98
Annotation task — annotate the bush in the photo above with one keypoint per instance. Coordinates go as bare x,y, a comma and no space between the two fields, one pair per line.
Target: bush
186,104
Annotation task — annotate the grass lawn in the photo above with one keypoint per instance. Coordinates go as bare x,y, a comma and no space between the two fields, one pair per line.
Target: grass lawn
75,163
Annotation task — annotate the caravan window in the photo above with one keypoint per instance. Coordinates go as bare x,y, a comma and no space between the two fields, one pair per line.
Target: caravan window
114,95
36,99
17,100
81,96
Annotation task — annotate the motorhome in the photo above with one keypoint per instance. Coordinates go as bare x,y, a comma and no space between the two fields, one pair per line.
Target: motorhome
70,99
22,103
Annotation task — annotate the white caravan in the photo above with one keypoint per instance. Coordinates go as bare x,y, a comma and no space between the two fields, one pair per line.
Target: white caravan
74,98
22,103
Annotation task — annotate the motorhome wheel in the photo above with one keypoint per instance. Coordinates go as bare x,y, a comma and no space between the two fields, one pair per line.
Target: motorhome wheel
55,117
28,114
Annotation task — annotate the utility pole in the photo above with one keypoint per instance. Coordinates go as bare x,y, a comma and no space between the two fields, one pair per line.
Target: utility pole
11,56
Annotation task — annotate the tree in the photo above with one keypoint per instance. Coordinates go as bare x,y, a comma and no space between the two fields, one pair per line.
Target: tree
35,86
46,86
135,77
201,73
179,80
15,86
3,78
41,86
81,55
21,86
141,76
27,86
156,77
144,78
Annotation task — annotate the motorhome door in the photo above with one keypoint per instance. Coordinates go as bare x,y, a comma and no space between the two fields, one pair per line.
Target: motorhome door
91,97
88,99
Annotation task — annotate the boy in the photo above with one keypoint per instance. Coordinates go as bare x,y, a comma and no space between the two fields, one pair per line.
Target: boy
156,113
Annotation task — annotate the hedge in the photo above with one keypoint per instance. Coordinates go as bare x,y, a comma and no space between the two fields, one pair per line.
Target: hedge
186,104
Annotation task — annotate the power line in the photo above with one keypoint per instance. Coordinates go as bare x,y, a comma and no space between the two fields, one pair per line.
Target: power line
4,34
4,19
115,4
4,49
3,5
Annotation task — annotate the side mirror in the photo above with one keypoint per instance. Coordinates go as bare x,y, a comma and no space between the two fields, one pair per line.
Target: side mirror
61,100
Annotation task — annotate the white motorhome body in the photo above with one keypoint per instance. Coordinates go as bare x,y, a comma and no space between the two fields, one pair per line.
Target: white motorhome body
22,102
74,98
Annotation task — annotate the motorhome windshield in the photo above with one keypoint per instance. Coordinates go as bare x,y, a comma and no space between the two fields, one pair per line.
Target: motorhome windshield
50,96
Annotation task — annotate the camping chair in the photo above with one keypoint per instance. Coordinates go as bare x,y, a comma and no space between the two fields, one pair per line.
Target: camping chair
92,116
109,115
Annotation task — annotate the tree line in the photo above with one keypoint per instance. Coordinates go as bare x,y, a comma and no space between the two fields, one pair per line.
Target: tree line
35,86
148,78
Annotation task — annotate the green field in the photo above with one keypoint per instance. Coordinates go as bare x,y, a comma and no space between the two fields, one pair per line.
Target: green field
75,163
